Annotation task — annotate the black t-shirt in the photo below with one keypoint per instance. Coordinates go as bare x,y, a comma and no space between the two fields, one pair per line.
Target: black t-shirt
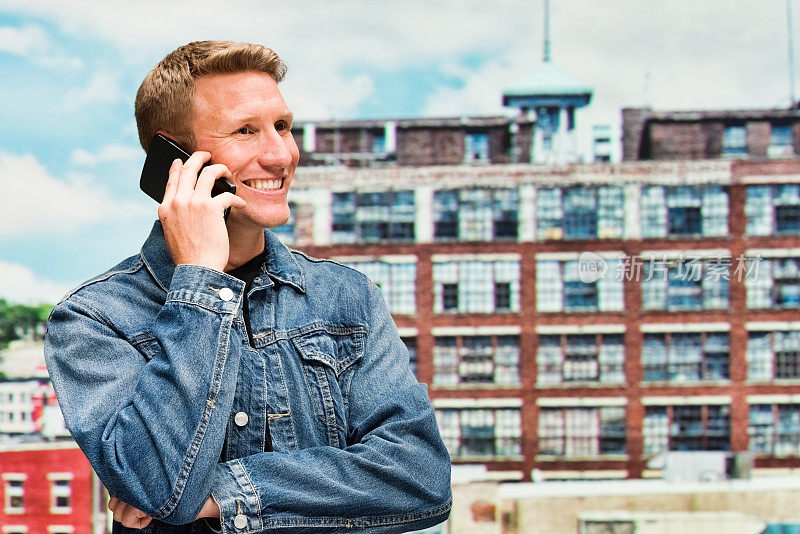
247,273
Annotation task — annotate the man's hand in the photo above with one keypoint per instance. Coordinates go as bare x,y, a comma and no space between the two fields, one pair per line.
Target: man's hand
134,518
193,222
128,515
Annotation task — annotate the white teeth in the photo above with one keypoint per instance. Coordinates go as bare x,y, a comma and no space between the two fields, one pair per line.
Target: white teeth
265,184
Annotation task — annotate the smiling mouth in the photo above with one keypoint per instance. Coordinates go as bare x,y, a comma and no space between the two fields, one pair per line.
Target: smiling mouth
265,185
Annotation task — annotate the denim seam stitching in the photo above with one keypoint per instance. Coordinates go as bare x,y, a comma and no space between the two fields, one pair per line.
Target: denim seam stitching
102,278
152,272
199,305
252,490
359,522
220,360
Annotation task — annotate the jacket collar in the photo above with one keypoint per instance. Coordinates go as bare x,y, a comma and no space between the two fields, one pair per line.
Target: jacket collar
279,264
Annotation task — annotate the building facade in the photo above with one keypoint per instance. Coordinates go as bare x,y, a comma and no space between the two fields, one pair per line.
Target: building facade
50,488
580,319
727,134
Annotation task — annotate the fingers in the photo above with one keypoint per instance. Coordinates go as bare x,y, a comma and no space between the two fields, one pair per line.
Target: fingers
205,182
128,515
172,181
229,200
188,174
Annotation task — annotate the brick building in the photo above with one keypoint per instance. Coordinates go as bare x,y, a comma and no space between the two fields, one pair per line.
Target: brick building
415,142
50,488
735,134
577,319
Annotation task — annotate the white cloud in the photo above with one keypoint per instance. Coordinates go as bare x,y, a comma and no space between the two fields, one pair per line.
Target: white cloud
34,201
32,41
19,284
698,54
102,88
22,41
107,154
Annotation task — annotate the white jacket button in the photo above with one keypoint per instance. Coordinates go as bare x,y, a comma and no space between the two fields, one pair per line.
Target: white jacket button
226,294
240,521
240,419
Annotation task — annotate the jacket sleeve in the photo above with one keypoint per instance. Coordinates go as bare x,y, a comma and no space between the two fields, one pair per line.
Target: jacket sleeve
394,475
152,430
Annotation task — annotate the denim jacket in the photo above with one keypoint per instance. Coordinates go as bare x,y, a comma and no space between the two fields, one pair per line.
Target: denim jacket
154,373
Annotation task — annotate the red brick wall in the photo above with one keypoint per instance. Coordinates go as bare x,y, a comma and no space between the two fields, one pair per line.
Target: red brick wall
36,464
632,317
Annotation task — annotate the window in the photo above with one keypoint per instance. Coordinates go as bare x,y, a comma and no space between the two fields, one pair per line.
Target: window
14,529
60,493
372,217
680,357
14,484
476,147
286,232
773,355
773,209
467,360
379,143
559,288
685,283
486,433
775,429
780,141
686,428
565,358
396,280
580,213
476,286
475,214
582,432
776,285
684,211
734,141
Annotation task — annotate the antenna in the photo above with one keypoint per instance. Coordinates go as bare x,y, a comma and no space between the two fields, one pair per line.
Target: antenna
547,31
790,32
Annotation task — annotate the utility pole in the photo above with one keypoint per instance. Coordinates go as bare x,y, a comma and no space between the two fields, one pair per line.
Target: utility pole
790,31
547,31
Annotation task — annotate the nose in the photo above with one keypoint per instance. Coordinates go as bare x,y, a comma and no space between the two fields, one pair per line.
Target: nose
275,150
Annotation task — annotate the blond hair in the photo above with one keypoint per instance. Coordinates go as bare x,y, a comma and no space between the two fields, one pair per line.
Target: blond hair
164,100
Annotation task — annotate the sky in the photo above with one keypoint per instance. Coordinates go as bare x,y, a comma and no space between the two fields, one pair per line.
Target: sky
69,71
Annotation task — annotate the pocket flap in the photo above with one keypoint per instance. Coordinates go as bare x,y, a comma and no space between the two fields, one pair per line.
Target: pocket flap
335,350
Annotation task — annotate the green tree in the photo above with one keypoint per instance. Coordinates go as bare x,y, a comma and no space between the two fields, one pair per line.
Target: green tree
20,320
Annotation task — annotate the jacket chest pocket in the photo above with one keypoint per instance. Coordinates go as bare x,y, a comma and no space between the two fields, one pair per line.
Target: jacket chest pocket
328,357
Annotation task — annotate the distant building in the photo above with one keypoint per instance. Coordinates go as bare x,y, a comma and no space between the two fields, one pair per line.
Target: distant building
758,506
583,318
415,142
726,134
50,488
28,405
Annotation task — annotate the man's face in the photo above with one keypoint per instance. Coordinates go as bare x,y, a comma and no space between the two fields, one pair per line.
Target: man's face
242,120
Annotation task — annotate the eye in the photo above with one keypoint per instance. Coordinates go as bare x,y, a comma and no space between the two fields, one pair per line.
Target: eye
281,126
244,130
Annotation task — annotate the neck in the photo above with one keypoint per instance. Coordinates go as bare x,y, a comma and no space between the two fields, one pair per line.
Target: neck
245,244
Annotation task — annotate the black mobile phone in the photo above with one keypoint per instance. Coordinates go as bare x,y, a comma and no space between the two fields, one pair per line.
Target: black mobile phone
163,151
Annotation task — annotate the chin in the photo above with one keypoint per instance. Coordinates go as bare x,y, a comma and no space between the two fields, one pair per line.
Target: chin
273,219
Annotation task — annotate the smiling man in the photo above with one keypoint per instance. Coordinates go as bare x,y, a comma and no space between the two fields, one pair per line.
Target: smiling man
218,381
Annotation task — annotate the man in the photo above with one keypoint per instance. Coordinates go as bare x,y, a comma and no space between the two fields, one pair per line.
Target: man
218,380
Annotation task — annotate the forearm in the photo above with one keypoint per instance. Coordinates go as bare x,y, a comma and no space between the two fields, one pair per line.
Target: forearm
394,474
152,430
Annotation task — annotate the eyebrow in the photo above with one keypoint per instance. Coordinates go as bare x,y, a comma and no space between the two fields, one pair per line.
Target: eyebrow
287,116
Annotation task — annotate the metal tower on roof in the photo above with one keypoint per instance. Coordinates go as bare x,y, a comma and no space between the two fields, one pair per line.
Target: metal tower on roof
553,94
